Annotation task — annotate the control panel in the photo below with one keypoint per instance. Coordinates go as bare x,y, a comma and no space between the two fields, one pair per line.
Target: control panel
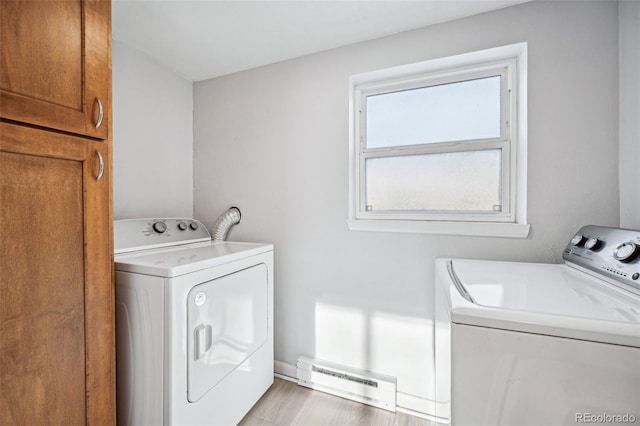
612,252
140,234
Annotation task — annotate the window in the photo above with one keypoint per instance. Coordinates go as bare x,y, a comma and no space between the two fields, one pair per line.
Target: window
440,146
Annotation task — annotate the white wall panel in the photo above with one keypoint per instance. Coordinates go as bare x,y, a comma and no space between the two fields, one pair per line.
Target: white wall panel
152,138
629,12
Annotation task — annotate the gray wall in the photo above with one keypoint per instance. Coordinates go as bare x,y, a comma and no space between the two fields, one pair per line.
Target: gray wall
274,141
152,138
629,12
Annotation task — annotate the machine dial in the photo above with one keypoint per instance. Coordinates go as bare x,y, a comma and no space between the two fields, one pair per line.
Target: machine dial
593,244
578,240
193,225
182,226
626,252
159,227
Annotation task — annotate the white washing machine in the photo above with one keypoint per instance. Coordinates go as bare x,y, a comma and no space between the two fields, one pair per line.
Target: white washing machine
194,324
541,344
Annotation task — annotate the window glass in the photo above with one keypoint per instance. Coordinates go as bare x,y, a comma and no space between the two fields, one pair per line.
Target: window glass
452,181
459,111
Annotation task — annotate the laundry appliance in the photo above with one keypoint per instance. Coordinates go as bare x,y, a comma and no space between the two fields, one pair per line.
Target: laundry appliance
194,324
541,344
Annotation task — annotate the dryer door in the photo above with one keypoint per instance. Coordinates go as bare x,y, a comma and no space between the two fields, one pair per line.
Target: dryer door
227,322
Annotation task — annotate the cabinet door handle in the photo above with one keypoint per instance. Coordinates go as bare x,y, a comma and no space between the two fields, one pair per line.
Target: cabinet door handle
100,112
101,166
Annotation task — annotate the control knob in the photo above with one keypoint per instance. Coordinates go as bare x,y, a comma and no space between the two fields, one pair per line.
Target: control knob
159,227
578,240
593,244
193,225
182,226
626,252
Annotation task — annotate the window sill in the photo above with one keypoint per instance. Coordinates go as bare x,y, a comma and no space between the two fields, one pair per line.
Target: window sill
475,229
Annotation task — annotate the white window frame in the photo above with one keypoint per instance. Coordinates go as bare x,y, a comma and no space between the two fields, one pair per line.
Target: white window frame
510,63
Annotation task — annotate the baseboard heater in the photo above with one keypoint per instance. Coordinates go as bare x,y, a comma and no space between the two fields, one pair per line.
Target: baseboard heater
362,386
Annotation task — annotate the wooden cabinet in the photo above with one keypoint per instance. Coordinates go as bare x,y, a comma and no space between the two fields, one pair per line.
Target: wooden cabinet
57,326
56,281
56,64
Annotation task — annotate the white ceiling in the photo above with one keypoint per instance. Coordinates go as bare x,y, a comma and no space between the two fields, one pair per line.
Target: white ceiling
209,38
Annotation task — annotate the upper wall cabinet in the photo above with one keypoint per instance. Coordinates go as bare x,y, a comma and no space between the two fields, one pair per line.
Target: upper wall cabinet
55,69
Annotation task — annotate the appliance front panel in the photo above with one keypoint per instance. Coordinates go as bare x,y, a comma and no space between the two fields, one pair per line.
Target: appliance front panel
501,377
227,321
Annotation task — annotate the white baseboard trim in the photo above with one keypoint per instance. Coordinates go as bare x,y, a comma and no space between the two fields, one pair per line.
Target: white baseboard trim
287,378
285,371
406,403
421,415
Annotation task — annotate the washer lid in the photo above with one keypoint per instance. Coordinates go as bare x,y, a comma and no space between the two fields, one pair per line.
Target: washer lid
184,259
546,299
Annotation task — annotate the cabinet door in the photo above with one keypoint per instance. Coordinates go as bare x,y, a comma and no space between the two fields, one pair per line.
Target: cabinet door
55,69
57,362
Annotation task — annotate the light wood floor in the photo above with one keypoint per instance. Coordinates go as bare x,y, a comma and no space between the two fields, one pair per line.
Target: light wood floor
286,403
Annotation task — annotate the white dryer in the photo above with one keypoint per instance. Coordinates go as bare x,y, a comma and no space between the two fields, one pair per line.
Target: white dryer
541,344
194,324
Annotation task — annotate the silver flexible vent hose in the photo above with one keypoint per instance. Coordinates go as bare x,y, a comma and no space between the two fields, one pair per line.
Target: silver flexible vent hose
224,224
